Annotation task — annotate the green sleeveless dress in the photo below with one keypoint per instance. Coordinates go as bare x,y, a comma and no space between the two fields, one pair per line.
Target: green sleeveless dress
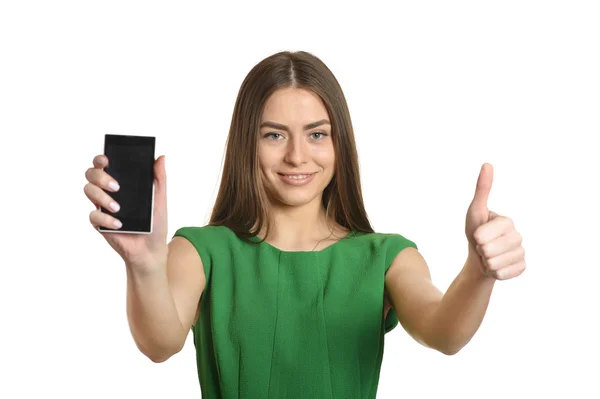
280,324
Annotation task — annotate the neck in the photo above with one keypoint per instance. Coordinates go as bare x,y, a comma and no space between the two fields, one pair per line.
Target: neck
299,226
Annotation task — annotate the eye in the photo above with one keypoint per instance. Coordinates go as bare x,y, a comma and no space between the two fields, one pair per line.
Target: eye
320,135
272,136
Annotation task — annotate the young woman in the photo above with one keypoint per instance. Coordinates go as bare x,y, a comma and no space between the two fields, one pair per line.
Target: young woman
288,290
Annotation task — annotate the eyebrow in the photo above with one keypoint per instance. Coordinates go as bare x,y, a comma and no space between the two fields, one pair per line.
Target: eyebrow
287,129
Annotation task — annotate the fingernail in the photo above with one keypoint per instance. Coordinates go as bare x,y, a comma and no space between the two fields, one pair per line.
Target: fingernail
113,185
114,206
117,224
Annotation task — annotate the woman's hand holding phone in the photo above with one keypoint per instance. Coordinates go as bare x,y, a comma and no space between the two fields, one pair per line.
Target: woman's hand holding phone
141,252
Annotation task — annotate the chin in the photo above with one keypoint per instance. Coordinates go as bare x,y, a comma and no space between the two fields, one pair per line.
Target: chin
296,196
295,199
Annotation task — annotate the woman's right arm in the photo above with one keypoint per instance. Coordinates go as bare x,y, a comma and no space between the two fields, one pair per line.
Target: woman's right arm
163,300
164,282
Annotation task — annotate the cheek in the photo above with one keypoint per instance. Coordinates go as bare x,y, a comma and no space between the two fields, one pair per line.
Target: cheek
325,157
265,159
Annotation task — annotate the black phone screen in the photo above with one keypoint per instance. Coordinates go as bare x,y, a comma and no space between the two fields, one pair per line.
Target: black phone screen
131,164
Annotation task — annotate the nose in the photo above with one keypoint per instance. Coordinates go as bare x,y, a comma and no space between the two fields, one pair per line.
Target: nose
296,152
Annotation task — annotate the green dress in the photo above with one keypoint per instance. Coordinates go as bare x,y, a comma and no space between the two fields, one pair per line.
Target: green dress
282,324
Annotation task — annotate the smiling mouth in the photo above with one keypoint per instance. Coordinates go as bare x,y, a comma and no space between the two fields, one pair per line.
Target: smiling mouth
296,176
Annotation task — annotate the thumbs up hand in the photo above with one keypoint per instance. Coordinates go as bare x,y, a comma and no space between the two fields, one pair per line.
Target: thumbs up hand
493,240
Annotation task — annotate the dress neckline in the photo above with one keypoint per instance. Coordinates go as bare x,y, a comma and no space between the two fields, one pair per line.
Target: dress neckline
256,239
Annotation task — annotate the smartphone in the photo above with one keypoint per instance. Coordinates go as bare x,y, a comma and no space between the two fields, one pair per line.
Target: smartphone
131,164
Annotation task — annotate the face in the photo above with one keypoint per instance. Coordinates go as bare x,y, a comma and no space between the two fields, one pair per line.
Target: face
295,148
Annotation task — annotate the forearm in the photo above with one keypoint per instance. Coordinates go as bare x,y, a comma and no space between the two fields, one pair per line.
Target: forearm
152,314
462,309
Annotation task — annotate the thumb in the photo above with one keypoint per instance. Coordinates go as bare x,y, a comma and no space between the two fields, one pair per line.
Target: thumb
160,180
482,190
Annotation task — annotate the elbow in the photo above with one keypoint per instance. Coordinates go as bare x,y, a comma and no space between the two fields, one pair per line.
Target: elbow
447,347
447,342
450,350
158,358
160,354
453,347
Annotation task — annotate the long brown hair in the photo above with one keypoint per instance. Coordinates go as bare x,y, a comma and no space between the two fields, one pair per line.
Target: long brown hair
242,202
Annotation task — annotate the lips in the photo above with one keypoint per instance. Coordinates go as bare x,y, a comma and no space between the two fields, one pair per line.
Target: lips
297,176
296,179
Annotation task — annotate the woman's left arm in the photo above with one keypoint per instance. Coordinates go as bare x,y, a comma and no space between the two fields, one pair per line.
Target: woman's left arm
447,322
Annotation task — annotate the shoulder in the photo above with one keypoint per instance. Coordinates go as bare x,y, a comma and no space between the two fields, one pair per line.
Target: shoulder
390,243
210,240
403,257
388,239
203,234
207,241
381,245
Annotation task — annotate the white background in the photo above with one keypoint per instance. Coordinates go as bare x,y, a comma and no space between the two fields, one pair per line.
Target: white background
435,89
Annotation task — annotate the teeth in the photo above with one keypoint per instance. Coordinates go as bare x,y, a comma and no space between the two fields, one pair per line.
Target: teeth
297,177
